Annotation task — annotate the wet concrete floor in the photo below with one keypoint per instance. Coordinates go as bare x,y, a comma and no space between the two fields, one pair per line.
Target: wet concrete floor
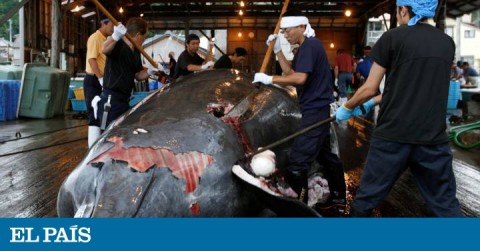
34,164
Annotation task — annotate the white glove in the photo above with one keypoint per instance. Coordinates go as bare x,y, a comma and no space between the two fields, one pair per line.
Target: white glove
262,78
277,47
95,106
153,71
208,64
100,80
118,32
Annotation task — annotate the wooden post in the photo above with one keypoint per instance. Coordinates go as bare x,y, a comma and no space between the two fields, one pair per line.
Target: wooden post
56,33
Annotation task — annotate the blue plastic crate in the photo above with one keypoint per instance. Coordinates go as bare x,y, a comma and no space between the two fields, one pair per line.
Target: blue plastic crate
454,93
13,100
153,85
9,92
137,97
71,95
79,105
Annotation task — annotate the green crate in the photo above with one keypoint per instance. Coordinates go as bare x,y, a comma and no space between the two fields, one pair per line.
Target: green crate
10,72
44,91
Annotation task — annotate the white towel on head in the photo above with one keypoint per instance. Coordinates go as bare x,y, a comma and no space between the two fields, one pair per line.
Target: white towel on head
292,21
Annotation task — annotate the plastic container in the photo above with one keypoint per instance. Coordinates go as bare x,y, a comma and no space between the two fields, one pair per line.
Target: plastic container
9,92
137,97
10,72
76,82
44,91
153,85
79,105
454,94
71,95
79,94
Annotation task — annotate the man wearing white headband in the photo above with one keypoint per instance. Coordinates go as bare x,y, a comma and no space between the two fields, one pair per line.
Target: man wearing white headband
410,131
310,73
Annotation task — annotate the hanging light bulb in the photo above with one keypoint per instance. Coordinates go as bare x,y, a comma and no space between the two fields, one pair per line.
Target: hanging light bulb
242,4
141,15
332,45
240,13
348,13
239,34
120,10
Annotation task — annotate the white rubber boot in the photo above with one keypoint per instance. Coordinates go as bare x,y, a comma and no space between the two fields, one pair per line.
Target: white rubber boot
93,135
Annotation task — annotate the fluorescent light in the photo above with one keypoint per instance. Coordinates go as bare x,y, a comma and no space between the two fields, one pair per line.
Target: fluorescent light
88,14
78,8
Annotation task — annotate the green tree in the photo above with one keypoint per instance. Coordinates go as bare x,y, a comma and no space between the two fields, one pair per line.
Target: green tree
5,6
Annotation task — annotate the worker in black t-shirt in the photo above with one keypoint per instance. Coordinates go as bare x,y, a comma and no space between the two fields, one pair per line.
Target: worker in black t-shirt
226,61
411,124
123,67
189,61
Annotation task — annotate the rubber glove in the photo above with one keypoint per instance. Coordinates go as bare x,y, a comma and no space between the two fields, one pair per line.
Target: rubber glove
343,113
263,78
277,47
208,64
367,106
100,80
118,32
153,71
94,104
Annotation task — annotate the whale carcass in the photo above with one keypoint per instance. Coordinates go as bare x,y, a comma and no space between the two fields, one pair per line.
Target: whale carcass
172,154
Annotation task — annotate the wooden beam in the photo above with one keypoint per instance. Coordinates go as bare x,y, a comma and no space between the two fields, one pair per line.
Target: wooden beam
12,11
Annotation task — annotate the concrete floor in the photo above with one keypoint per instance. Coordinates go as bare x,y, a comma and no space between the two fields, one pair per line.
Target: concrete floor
33,166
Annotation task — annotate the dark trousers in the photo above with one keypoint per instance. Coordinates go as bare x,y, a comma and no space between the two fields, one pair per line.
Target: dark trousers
431,166
344,79
118,105
91,88
315,145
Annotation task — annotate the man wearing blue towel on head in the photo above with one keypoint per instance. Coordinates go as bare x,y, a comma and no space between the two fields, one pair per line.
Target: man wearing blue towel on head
416,58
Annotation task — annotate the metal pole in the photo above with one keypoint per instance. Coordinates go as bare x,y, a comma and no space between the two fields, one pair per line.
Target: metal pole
21,23
10,27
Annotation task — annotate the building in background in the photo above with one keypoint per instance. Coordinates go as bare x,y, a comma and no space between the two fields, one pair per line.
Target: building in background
465,31
6,50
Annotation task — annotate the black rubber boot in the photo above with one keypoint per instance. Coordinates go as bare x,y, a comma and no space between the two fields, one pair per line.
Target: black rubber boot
298,180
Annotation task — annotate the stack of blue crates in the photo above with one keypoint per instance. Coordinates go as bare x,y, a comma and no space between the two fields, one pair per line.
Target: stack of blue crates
9,92
77,96
453,95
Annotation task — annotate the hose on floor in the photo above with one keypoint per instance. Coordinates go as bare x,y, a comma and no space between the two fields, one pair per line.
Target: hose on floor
455,132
